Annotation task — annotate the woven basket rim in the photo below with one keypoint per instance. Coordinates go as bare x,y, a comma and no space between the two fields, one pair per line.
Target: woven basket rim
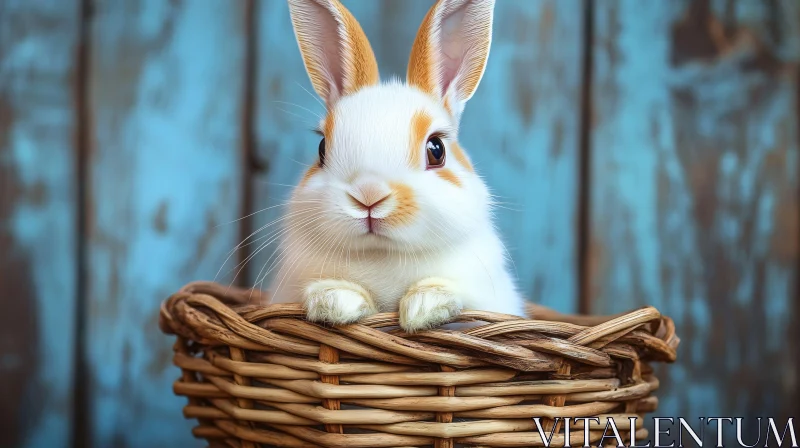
211,314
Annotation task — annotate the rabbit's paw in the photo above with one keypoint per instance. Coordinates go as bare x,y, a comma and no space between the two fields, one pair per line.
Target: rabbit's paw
337,302
429,303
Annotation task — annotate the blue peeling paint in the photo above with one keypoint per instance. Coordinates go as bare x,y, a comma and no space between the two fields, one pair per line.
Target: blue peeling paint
42,223
165,183
687,187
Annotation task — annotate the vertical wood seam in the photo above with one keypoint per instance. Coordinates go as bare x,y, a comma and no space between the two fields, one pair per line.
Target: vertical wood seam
81,412
247,132
796,325
584,161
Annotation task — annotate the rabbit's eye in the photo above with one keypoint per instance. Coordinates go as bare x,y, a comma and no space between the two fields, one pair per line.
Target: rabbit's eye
322,152
435,149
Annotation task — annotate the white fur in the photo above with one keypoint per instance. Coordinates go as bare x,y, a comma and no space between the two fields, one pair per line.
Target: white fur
337,301
449,257
430,302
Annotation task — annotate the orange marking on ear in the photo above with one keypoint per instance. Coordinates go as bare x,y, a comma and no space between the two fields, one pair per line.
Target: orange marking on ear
354,66
361,66
448,175
468,82
461,156
420,123
312,170
406,206
421,63
447,105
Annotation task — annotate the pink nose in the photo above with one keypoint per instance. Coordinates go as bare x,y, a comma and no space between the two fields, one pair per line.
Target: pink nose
368,202
369,194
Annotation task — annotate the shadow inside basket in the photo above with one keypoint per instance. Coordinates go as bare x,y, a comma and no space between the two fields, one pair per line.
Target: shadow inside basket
261,375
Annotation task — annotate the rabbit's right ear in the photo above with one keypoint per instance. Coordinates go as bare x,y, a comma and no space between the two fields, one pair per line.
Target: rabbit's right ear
336,53
451,49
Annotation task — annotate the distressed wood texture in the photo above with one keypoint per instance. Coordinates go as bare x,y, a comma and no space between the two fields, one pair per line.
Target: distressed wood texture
166,94
522,129
521,126
695,192
38,219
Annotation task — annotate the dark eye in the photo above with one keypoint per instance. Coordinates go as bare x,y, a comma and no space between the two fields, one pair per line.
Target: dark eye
435,150
322,152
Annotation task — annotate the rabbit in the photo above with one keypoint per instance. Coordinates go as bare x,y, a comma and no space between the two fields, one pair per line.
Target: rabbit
393,215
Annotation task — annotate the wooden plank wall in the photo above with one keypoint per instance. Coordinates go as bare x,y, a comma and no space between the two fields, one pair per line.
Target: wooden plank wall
38,221
522,129
164,189
645,153
694,192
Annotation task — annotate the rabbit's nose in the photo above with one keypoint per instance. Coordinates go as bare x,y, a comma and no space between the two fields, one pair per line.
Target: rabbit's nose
368,195
367,205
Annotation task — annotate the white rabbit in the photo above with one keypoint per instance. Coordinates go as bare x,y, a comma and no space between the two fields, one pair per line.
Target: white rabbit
393,216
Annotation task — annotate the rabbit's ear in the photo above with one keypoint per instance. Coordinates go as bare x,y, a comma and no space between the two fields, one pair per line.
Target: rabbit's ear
451,49
335,50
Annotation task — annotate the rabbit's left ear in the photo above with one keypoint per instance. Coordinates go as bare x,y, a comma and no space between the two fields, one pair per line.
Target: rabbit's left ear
337,55
451,49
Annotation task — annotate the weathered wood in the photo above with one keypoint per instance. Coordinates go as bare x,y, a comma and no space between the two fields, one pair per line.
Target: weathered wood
694,185
522,129
521,126
166,94
38,219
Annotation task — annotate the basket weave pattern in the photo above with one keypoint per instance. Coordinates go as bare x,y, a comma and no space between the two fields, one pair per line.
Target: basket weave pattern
260,376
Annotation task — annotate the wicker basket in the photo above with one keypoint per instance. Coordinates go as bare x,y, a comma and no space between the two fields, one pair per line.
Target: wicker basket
260,376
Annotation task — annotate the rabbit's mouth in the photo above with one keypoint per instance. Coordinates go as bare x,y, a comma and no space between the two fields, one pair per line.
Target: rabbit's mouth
373,226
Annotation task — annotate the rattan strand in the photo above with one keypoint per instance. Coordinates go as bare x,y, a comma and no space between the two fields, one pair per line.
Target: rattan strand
258,376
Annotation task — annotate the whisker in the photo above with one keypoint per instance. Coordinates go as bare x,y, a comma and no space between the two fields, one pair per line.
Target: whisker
296,115
264,227
260,248
299,257
311,94
307,165
319,117
251,214
274,183
278,260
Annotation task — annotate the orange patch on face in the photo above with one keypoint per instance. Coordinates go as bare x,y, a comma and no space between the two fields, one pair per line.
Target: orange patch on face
461,156
420,73
327,129
447,105
406,206
449,176
420,123
361,66
312,170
